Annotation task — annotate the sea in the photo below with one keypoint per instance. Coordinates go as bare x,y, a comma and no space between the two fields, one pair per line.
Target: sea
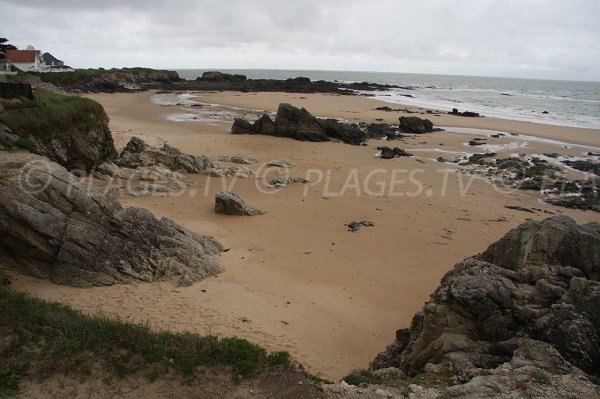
554,102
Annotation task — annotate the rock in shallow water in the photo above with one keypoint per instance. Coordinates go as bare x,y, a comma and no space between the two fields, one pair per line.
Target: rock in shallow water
54,227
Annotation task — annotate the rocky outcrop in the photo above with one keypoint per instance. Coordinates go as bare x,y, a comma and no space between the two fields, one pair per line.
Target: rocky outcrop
389,153
214,80
530,300
54,227
214,76
299,124
413,124
71,131
467,114
228,203
112,80
138,154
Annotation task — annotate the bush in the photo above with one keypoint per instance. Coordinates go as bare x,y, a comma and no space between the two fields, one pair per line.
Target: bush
50,114
26,144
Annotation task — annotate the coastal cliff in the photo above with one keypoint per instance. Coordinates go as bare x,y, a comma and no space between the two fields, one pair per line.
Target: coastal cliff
70,130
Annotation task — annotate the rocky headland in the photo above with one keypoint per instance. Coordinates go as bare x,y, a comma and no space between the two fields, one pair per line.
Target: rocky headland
518,320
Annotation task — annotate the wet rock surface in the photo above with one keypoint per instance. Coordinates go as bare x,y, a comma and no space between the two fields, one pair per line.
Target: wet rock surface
299,124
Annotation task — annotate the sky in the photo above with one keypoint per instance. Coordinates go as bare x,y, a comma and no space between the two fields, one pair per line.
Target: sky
547,39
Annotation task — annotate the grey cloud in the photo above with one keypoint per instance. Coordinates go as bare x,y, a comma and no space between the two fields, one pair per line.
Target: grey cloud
554,39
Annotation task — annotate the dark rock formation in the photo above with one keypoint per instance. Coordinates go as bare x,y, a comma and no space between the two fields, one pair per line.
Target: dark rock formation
226,82
299,124
413,124
52,226
383,130
213,76
15,90
389,153
467,114
532,297
584,166
229,203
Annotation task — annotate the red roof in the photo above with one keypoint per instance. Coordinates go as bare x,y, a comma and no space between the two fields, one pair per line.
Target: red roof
21,55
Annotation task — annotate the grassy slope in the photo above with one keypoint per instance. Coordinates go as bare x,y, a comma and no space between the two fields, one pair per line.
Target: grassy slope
39,339
50,113
79,76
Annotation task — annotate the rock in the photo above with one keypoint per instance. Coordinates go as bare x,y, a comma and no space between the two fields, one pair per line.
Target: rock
467,114
212,76
413,124
299,124
383,131
228,203
283,181
519,208
584,166
474,143
355,226
54,227
277,163
238,159
139,154
389,153
515,305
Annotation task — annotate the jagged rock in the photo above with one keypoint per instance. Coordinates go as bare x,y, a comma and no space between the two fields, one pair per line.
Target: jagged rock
536,287
213,76
54,227
389,153
138,154
413,124
141,181
277,163
299,124
383,131
238,159
467,114
355,226
584,166
231,204
283,181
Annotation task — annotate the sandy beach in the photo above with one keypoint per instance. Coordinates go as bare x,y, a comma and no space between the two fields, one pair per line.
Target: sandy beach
295,278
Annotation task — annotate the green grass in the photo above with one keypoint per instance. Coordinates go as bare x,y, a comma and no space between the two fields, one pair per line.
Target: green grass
79,76
50,115
540,377
39,339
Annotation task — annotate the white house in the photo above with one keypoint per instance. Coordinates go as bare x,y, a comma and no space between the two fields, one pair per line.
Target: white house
29,60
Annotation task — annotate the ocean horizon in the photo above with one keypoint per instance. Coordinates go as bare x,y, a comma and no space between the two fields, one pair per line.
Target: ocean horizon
555,102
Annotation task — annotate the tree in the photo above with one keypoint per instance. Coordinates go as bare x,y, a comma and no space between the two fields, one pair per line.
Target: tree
5,46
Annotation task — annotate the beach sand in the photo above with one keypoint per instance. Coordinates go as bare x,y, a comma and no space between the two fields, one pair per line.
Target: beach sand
295,278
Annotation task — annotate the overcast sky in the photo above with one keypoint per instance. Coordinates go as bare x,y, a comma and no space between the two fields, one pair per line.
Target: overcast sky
539,39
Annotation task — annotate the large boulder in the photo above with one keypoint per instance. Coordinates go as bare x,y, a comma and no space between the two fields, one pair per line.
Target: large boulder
413,124
299,124
229,203
536,287
54,227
